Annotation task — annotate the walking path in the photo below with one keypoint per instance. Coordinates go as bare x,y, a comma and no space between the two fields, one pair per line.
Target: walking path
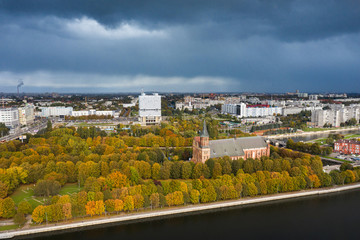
174,211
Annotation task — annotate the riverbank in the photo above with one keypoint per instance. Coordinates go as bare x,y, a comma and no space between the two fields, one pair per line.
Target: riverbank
173,211
289,135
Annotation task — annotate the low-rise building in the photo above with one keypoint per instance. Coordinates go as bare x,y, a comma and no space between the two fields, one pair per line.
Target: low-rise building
346,146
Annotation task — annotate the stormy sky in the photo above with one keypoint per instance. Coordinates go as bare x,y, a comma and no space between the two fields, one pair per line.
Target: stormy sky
180,45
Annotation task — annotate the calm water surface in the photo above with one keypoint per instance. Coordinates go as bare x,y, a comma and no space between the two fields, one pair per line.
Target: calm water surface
333,216
305,138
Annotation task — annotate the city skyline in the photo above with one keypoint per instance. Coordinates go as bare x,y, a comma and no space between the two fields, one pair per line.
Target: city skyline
207,46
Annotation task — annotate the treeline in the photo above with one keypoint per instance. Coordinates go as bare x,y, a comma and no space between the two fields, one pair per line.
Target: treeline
89,117
265,127
114,185
4,130
312,148
279,131
298,120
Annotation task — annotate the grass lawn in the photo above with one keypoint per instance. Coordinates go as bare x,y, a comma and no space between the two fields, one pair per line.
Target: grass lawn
352,136
70,188
8,227
317,129
321,141
338,159
26,192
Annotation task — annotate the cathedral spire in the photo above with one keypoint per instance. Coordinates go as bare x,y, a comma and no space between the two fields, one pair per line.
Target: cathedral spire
204,132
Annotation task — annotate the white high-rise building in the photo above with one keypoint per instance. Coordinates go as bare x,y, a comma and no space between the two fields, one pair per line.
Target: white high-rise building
55,111
335,116
10,117
149,109
242,110
26,114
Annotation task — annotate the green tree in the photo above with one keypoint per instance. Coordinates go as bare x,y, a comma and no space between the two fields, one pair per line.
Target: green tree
186,170
24,207
19,219
7,208
128,203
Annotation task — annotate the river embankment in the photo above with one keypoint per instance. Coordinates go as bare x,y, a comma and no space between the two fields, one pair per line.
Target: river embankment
299,134
193,209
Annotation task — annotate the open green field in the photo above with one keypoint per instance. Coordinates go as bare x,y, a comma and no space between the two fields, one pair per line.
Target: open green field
26,193
341,160
352,136
70,188
8,227
317,129
320,141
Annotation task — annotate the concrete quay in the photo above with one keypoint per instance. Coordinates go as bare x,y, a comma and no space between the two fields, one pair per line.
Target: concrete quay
174,211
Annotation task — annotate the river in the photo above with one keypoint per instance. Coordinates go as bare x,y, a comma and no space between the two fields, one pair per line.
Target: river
333,216
309,137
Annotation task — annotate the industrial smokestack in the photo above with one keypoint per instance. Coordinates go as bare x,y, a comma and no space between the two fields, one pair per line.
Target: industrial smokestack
20,83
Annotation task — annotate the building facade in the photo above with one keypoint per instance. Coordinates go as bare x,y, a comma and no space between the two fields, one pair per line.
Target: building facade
347,146
55,111
335,116
10,117
92,112
235,148
149,109
242,110
27,114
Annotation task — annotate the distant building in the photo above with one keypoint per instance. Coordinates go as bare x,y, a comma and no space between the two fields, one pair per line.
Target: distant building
242,110
149,109
26,114
347,146
235,148
55,111
335,116
92,112
10,117
302,95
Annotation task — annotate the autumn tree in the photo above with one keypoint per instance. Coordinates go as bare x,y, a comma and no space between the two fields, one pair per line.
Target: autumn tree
66,208
38,215
155,200
194,196
24,207
3,190
116,180
128,203
175,198
7,208
110,205
119,205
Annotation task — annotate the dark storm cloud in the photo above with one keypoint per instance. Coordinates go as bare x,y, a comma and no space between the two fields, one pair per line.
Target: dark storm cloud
181,45
289,20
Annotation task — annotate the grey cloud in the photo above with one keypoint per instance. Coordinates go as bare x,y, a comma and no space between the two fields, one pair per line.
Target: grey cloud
252,45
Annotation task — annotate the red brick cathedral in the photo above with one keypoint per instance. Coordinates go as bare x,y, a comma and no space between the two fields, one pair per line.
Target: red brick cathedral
235,148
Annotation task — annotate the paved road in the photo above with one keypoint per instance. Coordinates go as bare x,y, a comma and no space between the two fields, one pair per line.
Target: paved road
32,129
